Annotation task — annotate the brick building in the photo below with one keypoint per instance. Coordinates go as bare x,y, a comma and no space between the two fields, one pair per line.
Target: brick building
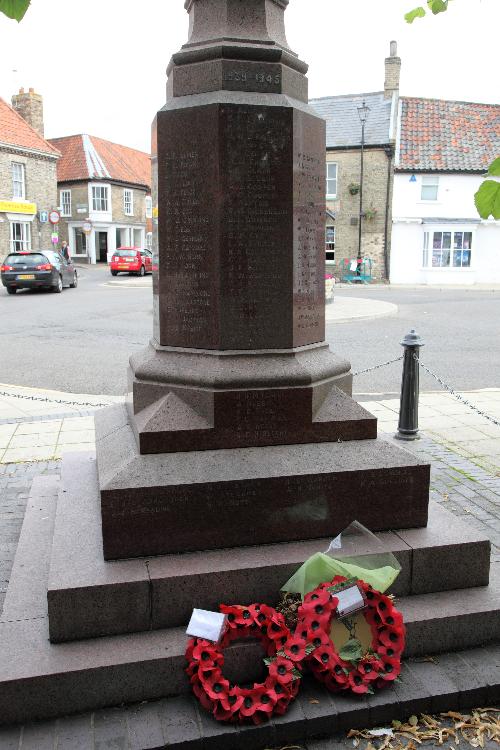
105,188
343,147
28,182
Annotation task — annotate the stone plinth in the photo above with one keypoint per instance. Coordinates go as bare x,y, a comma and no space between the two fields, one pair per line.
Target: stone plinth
178,502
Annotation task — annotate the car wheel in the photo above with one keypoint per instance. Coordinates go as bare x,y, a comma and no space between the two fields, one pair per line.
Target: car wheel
58,286
114,273
142,272
11,289
75,281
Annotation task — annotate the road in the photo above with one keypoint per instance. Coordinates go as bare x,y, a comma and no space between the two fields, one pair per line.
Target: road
80,341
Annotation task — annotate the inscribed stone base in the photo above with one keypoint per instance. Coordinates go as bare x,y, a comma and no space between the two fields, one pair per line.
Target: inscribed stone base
177,502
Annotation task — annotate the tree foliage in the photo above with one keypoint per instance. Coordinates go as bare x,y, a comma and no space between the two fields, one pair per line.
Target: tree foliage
435,6
14,8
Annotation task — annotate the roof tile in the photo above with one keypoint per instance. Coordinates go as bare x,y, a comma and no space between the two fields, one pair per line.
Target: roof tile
343,127
15,131
440,135
88,157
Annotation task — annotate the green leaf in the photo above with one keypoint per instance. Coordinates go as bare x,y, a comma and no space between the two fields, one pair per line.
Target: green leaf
296,674
14,8
487,199
352,650
310,648
268,662
437,6
494,168
415,13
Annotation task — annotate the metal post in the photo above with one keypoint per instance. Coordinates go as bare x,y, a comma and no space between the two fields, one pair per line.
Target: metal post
408,409
360,224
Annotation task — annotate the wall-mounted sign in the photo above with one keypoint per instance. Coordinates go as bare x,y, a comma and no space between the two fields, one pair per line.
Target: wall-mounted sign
15,207
87,227
54,217
82,208
43,217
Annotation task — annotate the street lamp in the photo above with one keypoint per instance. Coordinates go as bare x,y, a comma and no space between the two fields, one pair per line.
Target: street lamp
363,112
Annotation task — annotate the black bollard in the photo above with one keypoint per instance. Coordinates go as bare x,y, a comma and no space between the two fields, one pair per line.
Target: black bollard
408,409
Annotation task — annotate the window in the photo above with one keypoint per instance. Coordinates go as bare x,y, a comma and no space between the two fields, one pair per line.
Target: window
331,179
128,202
149,240
99,197
462,244
20,236
430,184
449,249
80,242
149,207
18,182
65,197
330,243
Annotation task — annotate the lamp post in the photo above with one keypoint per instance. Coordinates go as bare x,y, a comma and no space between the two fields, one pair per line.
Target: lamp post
363,116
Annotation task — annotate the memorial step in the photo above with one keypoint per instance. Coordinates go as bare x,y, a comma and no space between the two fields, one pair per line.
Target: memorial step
88,597
450,682
40,680
178,502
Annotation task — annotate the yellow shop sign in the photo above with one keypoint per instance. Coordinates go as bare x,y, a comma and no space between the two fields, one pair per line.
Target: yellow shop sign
13,207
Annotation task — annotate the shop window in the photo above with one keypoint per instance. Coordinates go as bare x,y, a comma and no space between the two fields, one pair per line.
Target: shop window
80,242
20,236
149,240
18,181
447,248
149,207
430,186
331,179
330,244
65,202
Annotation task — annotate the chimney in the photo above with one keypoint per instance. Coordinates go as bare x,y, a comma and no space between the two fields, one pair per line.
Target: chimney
30,106
392,72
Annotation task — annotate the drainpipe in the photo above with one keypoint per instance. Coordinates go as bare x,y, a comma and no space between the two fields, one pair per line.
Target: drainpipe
389,152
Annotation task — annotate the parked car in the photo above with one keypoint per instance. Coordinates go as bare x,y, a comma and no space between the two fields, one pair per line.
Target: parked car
131,260
38,270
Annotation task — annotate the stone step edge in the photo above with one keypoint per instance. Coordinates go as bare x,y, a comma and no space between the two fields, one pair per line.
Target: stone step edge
455,681
45,680
88,597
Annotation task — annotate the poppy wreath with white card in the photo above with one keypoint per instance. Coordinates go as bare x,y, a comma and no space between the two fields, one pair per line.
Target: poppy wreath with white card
255,703
353,667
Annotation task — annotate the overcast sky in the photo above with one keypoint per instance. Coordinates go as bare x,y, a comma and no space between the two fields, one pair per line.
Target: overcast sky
100,64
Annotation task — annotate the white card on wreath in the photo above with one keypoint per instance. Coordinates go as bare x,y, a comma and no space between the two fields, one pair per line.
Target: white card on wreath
208,625
350,600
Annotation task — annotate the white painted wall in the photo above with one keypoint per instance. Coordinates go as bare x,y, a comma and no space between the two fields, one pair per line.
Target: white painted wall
412,217
455,197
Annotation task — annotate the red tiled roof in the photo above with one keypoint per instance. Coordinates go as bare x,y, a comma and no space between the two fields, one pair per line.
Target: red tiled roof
86,157
15,131
438,135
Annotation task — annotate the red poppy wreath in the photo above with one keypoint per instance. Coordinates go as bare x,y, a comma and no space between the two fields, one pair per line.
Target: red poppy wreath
352,667
232,703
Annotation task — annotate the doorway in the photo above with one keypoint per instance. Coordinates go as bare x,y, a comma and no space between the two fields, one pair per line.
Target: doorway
102,247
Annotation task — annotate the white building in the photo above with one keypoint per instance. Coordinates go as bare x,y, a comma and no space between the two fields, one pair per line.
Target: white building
443,150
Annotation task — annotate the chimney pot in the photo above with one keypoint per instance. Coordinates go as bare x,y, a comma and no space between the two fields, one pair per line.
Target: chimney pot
21,90
32,91
394,49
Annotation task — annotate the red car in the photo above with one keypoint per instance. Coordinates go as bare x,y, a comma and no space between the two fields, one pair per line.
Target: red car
131,260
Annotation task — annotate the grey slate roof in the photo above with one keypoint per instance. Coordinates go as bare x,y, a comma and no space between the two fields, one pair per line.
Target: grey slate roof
343,127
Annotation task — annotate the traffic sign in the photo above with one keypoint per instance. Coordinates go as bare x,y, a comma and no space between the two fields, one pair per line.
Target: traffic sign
44,217
54,217
87,227
55,238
